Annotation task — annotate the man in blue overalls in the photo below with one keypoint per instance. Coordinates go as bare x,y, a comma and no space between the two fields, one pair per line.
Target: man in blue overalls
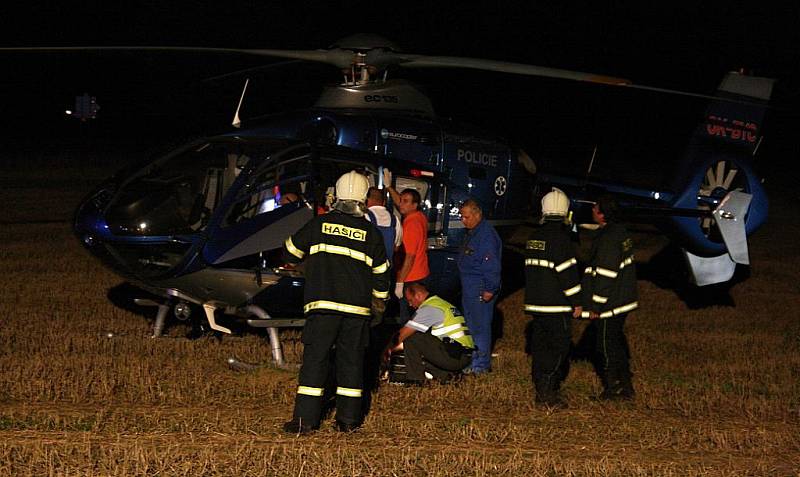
479,267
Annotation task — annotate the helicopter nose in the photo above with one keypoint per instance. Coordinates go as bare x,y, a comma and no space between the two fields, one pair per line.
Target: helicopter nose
89,224
90,229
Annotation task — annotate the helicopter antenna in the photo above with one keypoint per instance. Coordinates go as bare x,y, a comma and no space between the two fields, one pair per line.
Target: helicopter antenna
758,144
591,163
236,121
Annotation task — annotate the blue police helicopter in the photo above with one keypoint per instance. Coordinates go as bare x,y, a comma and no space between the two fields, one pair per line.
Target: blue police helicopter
203,226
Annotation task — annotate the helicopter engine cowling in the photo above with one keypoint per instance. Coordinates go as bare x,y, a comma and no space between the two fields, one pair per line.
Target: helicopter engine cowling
394,95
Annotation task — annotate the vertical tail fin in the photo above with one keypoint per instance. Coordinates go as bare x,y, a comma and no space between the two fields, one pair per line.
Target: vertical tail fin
730,131
719,161
736,120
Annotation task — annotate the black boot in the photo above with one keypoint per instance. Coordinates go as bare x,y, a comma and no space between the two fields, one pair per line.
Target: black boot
618,386
345,427
297,426
628,392
547,394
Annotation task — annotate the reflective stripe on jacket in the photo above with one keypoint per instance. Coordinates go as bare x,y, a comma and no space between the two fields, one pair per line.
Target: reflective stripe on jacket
552,281
453,325
346,263
609,280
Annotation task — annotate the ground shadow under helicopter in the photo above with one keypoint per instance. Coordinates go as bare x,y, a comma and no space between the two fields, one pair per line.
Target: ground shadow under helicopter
123,295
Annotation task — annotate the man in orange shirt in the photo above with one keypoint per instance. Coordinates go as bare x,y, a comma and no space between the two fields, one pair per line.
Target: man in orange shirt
414,253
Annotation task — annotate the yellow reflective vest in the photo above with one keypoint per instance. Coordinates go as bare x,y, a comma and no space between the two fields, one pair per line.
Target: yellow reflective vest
453,325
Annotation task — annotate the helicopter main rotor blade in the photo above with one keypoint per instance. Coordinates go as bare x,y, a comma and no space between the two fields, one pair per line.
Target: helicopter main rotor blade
344,58
423,61
337,57
189,49
254,69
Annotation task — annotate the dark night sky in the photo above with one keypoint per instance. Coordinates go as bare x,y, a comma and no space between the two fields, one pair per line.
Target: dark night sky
158,96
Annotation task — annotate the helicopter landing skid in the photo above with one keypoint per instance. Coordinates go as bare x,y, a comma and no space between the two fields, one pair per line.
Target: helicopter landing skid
272,325
240,366
161,316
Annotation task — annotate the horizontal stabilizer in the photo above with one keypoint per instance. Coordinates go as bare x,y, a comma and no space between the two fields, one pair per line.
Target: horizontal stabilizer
730,219
710,270
748,86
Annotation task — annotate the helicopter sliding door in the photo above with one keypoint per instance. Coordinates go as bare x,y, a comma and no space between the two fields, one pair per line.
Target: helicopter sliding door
265,209
273,201
247,232
483,166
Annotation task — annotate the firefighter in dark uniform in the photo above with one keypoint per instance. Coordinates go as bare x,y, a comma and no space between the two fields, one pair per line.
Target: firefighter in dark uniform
347,275
552,297
609,294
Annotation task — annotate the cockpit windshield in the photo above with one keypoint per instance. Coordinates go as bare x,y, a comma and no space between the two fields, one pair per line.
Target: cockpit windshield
177,194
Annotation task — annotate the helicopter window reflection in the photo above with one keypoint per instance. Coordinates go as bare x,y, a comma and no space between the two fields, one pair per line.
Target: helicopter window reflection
295,182
270,189
327,171
177,193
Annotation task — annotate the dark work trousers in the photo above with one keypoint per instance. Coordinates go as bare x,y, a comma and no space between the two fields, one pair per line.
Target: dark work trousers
550,338
425,352
350,335
612,348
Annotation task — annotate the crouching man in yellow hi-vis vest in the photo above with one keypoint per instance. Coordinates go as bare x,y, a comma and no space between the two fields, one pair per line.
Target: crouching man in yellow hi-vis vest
436,339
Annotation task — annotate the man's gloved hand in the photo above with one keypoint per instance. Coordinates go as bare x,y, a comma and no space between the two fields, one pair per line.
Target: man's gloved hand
387,177
378,308
398,290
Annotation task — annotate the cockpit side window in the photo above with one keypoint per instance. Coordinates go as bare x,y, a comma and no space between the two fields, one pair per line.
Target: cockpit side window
282,184
176,193
327,171
298,182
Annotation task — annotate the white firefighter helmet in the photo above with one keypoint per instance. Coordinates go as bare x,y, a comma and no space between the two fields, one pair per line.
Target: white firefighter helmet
352,186
555,204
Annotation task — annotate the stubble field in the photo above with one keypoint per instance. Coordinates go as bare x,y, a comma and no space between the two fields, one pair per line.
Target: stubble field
718,387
